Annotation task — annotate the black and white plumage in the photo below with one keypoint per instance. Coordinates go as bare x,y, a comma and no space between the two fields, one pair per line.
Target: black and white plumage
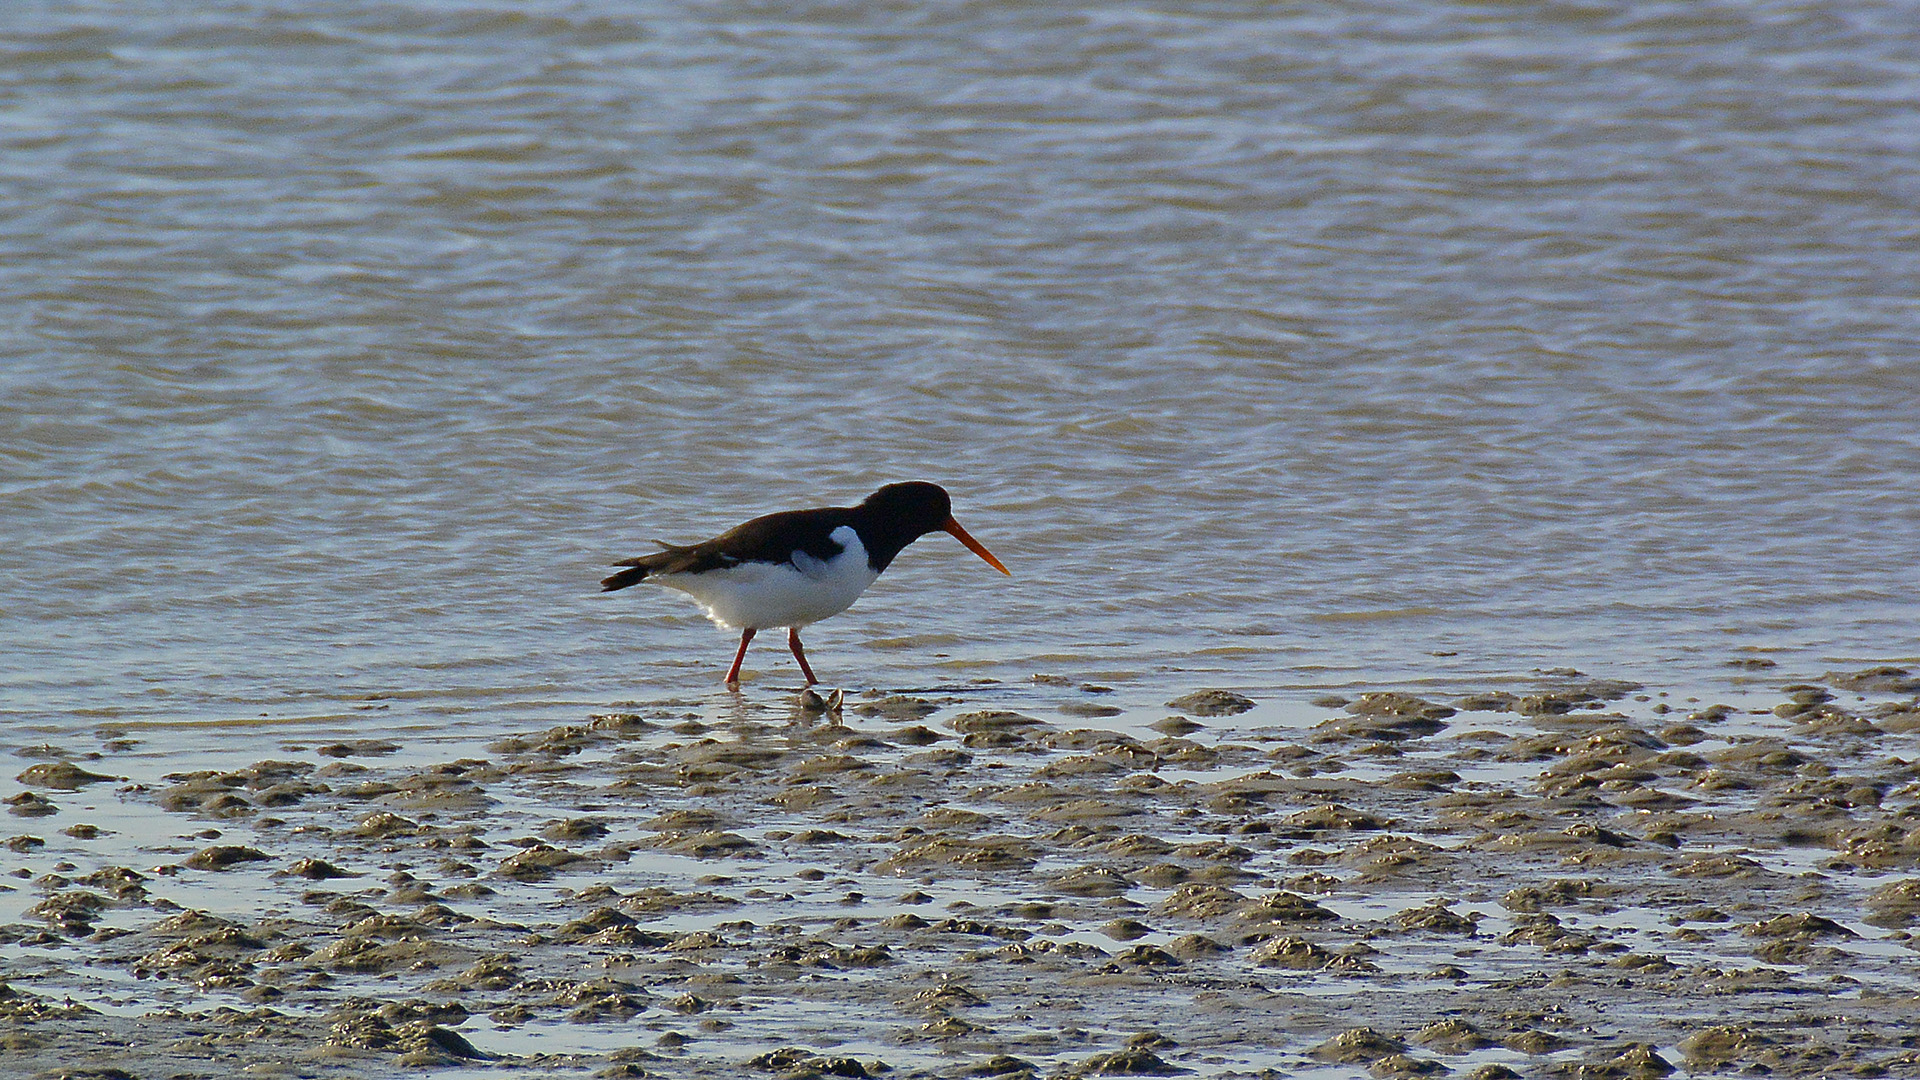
798,567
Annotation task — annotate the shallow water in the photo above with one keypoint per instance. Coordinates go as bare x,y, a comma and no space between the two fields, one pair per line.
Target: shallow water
1294,345
1420,345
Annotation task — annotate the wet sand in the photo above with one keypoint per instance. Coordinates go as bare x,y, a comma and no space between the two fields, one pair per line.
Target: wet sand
1579,878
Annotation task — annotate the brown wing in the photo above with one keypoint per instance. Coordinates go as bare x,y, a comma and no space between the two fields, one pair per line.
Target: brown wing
670,559
772,539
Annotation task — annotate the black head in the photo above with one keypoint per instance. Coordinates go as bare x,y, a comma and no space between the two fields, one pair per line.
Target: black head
912,509
899,514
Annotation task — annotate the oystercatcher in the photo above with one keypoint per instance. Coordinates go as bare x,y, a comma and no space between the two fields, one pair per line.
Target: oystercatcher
797,567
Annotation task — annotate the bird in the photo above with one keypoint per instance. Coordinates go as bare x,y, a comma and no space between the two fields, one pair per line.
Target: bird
797,567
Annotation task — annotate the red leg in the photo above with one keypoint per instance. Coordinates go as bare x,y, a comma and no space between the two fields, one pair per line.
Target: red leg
793,642
733,673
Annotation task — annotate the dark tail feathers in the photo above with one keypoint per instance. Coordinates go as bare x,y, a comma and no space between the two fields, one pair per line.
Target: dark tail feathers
670,559
623,579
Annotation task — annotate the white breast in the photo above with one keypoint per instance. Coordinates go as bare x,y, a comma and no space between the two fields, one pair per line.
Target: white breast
761,595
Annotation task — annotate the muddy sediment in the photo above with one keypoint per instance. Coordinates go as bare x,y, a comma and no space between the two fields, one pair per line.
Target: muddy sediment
1580,879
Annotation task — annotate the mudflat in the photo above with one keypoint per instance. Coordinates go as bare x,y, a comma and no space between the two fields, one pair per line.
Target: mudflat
1584,878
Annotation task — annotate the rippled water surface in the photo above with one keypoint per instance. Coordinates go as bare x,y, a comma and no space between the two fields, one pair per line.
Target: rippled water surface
1273,346
1293,349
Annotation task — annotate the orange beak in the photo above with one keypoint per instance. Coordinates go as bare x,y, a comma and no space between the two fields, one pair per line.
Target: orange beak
974,546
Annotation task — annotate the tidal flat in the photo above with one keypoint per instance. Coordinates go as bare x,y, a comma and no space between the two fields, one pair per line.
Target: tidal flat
1577,878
